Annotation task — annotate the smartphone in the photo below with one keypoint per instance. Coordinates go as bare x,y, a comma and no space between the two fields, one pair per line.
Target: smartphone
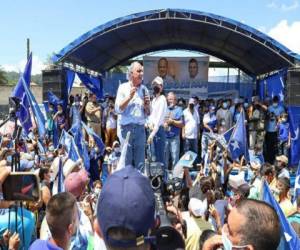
21,186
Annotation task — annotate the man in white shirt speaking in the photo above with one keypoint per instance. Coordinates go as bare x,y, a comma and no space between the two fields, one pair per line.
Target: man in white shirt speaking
133,105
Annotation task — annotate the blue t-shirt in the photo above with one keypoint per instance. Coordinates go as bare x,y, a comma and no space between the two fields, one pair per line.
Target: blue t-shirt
175,113
43,244
271,124
283,131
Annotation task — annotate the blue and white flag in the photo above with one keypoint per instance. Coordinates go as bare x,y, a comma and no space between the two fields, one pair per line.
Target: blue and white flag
76,131
53,99
289,238
68,141
19,92
40,119
294,120
60,177
238,141
275,85
97,139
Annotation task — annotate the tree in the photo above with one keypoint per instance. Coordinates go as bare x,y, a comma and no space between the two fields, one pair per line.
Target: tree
3,79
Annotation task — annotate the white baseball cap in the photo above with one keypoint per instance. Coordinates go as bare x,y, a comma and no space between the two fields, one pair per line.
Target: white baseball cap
158,80
197,207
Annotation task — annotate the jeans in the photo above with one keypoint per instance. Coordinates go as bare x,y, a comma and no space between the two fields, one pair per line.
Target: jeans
172,149
135,154
191,144
204,144
158,149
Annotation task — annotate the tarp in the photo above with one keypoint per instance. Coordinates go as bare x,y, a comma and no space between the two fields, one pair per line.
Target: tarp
112,43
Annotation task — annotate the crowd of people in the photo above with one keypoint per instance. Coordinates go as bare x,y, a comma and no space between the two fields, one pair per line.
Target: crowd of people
112,205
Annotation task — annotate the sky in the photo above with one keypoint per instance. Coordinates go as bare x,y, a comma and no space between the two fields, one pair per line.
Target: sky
51,25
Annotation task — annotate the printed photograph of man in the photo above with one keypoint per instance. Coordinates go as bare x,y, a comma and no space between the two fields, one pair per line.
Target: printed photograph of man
163,68
193,68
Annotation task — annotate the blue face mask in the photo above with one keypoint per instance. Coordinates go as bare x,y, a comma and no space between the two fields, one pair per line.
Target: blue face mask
225,105
246,105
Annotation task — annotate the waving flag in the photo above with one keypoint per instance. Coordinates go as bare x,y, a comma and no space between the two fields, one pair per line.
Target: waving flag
54,99
96,138
40,120
294,119
289,239
238,141
68,141
81,145
275,85
19,92
93,84
60,176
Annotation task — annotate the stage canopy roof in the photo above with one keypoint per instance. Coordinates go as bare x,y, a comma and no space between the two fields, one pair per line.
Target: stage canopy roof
116,41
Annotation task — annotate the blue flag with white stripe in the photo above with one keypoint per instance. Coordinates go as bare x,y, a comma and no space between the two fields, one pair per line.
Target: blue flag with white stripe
275,86
40,119
19,92
76,131
294,120
68,141
97,139
238,141
289,239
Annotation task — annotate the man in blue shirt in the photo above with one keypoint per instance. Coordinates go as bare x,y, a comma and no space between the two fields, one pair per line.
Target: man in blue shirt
62,219
133,105
273,113
173,125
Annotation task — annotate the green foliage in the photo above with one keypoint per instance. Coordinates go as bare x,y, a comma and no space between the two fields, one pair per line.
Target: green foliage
12,78
3,79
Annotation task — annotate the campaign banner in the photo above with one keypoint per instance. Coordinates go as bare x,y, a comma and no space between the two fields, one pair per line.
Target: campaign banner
176,70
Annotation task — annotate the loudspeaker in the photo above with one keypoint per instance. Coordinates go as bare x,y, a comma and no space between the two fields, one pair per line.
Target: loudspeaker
293,87
54,81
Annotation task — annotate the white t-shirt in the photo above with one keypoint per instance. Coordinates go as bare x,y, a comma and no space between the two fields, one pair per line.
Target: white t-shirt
111,122
159,109
191,123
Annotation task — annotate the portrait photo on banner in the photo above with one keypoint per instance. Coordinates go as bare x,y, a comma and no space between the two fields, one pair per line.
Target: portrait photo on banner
176,70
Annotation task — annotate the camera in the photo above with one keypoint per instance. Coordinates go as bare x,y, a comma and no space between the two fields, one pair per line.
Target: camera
167,237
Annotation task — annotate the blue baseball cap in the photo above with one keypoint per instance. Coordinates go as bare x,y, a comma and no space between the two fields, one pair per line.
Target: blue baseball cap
126,201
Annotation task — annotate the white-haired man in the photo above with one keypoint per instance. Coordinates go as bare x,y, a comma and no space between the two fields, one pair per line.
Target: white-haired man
133,105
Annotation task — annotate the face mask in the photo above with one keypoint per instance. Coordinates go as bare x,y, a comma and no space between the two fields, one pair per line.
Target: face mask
224,105
227,244
275,104
97,191
223,123
283,120
32,153
246,105
156,89
77,103
51,109
117,150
